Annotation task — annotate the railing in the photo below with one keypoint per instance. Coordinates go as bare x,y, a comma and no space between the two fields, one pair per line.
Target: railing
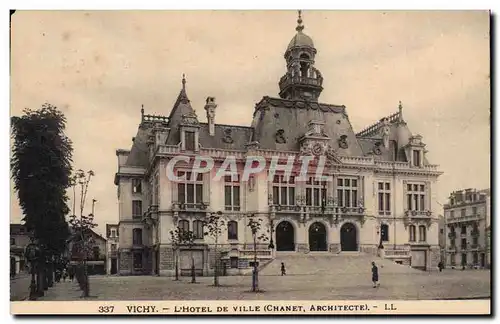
465,218
154,118
287,80
189,206
452,235
286,208
475,233
422,214
398,253
251,253
374,127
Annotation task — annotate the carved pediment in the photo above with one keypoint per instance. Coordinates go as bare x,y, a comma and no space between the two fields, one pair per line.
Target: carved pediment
190,119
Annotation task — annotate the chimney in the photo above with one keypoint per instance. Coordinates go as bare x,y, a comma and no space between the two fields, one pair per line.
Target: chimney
210,108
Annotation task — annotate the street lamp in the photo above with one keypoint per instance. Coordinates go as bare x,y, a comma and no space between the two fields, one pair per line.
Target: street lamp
271,243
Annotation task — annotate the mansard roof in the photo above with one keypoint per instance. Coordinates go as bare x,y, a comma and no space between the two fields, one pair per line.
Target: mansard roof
228,137
293,116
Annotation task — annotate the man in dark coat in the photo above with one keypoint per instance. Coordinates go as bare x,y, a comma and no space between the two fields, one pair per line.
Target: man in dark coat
375,275
283,270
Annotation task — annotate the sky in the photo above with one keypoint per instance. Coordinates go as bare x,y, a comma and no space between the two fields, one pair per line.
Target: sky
99,67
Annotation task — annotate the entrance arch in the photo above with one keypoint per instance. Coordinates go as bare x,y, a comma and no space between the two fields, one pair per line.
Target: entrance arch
285,237
348,237
317,237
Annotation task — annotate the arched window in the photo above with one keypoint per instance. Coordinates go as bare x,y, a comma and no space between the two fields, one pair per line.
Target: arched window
384,232
184,225
198,229
137,236
422,233
304,66
412,230
232,230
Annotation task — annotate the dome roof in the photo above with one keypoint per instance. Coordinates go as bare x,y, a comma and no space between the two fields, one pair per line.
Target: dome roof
300,39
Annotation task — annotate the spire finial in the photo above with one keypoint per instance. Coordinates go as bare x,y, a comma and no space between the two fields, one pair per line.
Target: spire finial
142,112
400,108
183,81
299,27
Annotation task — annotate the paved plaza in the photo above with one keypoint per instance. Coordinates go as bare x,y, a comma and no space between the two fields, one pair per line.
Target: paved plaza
450,284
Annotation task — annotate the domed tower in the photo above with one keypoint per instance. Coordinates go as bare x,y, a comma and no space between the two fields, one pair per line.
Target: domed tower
302,81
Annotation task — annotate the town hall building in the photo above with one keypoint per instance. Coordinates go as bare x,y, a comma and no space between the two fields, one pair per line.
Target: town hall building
378,199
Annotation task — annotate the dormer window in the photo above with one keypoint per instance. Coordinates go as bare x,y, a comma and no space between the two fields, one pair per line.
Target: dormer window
417,158
136,186
189,139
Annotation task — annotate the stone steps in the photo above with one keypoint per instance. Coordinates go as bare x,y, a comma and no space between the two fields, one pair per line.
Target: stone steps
324,263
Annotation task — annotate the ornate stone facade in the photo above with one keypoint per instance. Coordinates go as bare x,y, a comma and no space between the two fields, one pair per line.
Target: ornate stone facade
377,191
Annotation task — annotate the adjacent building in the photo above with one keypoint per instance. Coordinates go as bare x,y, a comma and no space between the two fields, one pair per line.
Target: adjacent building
96,260
380,188
467,223
19,239
112,235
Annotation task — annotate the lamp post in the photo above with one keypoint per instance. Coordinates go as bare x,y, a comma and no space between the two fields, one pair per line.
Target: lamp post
32,253
271,242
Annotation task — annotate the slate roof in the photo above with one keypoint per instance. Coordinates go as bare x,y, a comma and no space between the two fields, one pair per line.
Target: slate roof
293,116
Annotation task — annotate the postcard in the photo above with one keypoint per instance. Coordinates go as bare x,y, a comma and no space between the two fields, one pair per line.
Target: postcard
250,162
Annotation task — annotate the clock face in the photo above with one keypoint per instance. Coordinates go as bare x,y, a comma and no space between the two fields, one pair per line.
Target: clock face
317,149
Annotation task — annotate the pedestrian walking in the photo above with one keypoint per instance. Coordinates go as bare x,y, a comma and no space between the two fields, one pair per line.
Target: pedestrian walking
440,266
283,270
375,275
71,273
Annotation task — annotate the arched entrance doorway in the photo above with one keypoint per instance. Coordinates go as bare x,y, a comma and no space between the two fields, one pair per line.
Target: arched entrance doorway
285,237
348,237
317,237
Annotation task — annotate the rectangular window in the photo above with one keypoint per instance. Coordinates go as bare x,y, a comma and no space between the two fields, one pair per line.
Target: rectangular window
416,158
464,229
474,211
232,230
234,262
137,236
315,192
136,186
113,232
190,191
452,259
452,213
12,241
452,242
347,192
190,142
422,233
137,260
415,197
463,244
283,190
412,231
198,229
184,225
462,212
475,241
113,247
384,198
136,208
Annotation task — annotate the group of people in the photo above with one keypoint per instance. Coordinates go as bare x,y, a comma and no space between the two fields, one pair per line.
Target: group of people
64,273
375,280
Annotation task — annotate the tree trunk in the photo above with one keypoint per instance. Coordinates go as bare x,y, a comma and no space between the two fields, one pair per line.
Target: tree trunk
45,277
176,264
216,267
51,274
86,284
193,274
39,278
